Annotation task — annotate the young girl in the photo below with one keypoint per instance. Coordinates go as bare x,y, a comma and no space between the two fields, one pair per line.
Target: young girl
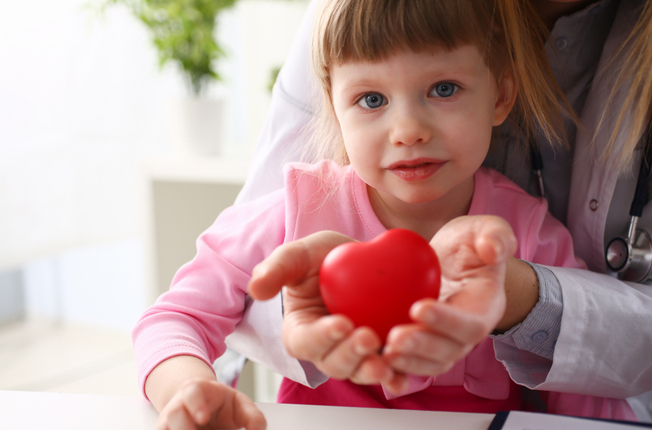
412,103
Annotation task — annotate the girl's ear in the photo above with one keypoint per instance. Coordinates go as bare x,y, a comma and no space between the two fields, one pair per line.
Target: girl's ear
506,97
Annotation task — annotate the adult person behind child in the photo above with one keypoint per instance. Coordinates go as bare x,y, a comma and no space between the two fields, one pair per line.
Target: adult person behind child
591,329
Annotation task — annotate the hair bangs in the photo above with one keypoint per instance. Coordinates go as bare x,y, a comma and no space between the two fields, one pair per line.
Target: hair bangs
371,30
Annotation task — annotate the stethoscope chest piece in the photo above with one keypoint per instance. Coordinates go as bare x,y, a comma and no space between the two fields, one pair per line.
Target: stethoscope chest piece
631,259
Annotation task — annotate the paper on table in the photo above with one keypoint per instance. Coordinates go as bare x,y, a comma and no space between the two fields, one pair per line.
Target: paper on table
516,420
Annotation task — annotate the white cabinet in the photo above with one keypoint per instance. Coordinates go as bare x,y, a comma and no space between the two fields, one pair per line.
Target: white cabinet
182,197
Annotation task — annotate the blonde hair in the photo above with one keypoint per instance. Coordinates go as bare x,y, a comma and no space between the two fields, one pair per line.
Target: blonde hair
635,71
372,30
634,56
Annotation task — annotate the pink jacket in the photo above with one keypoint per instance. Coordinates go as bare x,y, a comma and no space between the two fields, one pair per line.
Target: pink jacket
207,300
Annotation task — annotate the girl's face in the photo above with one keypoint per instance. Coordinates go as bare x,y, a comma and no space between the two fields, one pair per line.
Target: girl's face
417,126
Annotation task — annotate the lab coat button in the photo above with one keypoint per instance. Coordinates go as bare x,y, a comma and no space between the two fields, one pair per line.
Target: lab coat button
539,336
593,205
561,43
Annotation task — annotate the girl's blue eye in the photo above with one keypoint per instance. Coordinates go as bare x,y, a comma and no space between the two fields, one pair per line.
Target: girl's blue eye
444,89
372,101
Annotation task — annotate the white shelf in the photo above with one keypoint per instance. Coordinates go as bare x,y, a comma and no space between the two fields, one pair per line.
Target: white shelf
197,169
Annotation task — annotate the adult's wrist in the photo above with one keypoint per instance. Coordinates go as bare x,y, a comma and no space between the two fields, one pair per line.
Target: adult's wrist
522,294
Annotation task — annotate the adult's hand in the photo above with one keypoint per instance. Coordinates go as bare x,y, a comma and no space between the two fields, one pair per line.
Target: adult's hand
474,252
309,332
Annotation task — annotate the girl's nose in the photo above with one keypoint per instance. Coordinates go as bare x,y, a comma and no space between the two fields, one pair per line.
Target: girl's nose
410,127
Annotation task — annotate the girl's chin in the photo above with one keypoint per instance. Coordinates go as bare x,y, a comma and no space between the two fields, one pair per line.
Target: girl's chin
413,198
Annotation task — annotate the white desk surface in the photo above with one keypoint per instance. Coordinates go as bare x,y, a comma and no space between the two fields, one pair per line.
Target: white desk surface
26,410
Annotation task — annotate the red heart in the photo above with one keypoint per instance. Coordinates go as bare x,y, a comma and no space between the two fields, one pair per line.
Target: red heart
374,283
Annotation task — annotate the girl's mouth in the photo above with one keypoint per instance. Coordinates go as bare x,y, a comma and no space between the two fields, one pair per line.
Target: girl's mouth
415,170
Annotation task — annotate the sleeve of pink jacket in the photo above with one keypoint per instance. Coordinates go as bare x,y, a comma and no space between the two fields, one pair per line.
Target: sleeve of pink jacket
207,296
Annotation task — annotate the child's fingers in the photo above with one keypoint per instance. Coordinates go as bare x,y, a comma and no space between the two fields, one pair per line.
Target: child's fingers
220,405
196,403
247,415
177,418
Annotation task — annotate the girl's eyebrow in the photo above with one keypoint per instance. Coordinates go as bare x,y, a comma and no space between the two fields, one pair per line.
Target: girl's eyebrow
468,70
363,82
436,74
351,83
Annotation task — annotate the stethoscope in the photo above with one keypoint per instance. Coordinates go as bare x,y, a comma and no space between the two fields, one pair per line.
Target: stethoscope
629,257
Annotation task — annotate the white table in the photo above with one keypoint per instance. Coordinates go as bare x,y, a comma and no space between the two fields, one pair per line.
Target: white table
24,410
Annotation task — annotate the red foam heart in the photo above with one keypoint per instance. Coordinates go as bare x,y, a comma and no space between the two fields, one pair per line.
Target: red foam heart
374,283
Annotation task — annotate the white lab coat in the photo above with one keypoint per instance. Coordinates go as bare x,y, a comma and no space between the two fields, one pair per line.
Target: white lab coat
605,345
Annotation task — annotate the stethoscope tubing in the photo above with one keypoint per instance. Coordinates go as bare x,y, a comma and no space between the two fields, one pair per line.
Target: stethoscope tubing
630,257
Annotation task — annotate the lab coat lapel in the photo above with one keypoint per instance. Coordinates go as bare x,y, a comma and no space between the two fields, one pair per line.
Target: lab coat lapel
593,182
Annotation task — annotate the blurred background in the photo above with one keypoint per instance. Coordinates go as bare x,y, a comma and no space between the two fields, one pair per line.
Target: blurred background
102,195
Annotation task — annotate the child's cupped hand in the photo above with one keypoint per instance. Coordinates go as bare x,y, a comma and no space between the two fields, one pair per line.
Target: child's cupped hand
472,251
208,404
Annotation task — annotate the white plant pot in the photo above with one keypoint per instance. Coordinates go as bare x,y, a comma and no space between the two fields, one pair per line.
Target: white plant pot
196,125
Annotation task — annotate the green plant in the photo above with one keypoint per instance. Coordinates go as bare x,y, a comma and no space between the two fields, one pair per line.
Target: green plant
273,75
183,31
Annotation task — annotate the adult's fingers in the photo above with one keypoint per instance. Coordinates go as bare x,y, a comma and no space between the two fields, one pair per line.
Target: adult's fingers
345,359
495,240
419,366
309,336
489,240
374,370
423,342
334,345
292,263
467,318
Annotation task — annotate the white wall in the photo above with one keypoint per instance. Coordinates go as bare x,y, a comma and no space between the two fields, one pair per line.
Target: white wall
83,102
100,285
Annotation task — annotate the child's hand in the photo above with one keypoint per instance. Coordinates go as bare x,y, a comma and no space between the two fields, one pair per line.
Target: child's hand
208,404
473,252
330,342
